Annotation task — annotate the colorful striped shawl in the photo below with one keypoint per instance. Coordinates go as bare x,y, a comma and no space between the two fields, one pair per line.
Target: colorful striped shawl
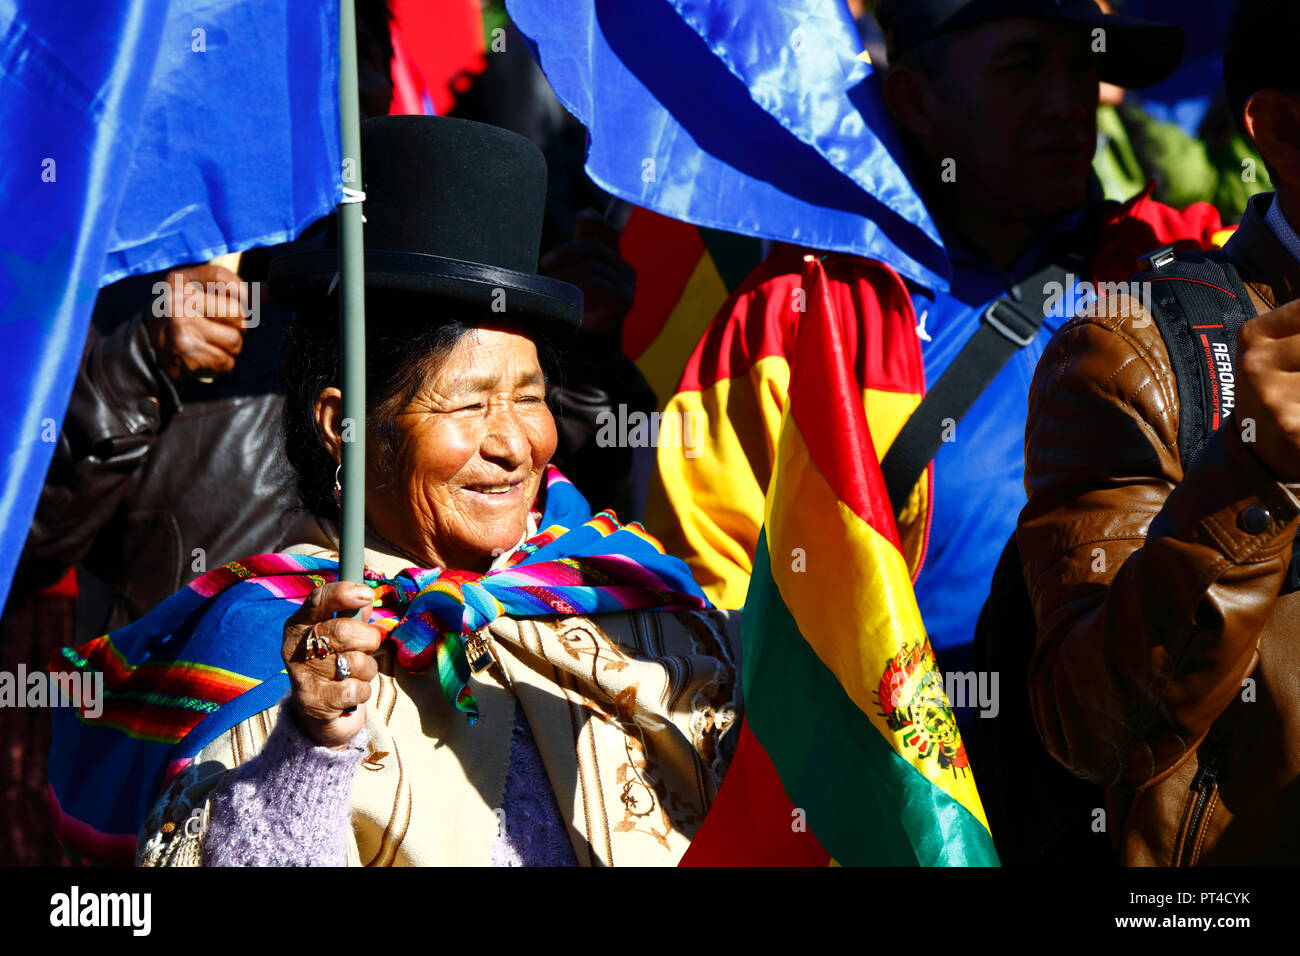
208,657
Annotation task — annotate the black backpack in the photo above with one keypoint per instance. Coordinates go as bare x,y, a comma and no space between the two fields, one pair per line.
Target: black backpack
1040,814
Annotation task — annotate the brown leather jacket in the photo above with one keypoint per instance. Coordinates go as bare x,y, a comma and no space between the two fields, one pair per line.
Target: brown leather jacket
1156,601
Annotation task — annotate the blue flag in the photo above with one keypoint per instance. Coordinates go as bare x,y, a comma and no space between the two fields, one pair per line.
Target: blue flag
749,116
139,135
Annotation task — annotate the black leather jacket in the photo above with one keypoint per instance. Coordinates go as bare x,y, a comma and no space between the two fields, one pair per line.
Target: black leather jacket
153,484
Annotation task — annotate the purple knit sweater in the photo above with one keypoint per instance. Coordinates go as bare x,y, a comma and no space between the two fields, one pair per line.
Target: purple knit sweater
291,805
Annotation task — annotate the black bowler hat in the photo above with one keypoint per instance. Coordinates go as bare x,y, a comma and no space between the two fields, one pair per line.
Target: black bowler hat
1138,52
453,210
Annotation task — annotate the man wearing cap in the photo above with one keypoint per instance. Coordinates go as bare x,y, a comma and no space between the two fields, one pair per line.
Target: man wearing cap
996,101
1166,661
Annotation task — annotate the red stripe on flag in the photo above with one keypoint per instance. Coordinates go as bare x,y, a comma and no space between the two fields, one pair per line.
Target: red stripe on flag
825,399
664,252
756,322
753,822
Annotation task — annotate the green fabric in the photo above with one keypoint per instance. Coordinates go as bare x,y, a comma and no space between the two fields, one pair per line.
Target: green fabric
864,803
1116,164
494,17
1177,162
1235,184
1134,148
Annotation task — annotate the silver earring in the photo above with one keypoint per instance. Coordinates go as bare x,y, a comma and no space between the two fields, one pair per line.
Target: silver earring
338,488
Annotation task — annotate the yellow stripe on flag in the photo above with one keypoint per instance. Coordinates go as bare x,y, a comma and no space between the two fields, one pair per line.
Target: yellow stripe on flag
887,413
814,538
706,507
664,360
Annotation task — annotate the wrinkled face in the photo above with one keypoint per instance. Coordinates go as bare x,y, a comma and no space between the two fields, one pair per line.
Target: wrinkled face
1015,106
476,440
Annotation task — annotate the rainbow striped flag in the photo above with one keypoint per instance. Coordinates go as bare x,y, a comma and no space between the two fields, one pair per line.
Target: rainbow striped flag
684,275
850,753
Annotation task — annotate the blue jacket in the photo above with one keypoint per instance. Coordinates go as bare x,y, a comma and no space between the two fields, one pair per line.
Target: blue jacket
979,474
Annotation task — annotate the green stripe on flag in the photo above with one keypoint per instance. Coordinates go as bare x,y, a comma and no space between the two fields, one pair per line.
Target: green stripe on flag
865,804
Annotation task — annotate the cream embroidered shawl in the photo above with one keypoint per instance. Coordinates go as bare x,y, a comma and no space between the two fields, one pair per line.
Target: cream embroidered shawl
635,716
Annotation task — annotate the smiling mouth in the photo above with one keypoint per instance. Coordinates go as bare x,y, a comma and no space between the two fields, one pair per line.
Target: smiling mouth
497,490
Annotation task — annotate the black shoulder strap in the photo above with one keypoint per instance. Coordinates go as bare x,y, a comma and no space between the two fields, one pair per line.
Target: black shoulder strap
1199,304
1009,324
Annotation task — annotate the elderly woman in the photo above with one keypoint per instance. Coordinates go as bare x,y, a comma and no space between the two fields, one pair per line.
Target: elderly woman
529,684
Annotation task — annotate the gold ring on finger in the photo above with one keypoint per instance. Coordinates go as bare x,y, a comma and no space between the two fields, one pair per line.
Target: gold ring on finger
318,645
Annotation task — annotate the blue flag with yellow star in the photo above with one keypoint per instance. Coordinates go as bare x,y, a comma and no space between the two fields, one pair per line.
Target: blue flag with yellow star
139,135
758,118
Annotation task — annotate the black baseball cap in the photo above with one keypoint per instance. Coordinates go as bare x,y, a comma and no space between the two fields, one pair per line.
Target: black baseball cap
1138,52
1260,51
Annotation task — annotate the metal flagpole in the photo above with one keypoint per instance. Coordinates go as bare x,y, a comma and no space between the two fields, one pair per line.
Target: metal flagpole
352,308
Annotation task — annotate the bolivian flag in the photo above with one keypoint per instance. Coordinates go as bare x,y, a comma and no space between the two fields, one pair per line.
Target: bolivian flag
849,753
684,275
